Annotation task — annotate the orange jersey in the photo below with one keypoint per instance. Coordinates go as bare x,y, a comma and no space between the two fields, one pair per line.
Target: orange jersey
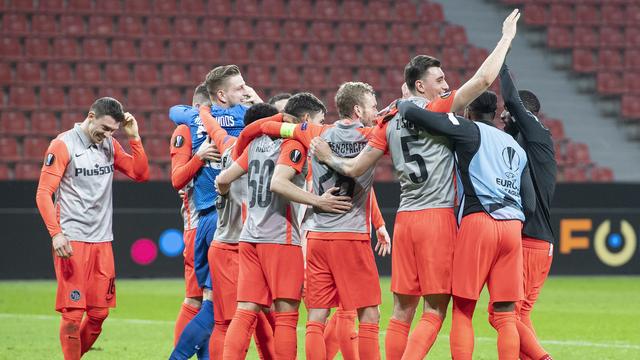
183,168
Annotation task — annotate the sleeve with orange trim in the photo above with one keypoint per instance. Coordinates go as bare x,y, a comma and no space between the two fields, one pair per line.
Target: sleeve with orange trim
303,133
243,160
55,164
378,137
251,132
442,103
135,166
293,154
219,135
376,214
184,166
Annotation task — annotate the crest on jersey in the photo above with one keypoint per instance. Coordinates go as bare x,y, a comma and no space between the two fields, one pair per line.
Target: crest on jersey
303,126
295,155
75,295
50,159
511,158
179,141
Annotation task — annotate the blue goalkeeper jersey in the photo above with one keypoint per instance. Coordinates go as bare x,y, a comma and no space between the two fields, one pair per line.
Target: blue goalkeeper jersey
232,120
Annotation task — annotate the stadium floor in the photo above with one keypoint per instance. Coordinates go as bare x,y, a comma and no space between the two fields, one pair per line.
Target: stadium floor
577,318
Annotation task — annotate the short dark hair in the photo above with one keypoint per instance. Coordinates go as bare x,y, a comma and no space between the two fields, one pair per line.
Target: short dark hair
417,67
277,97
486,103
216,78
108,106
201,95
259,111
302,103
530,101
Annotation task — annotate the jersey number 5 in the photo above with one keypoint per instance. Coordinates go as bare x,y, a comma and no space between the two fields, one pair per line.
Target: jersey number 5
405,141
259,181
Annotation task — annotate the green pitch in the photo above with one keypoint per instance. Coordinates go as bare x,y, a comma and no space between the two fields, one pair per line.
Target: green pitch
576,318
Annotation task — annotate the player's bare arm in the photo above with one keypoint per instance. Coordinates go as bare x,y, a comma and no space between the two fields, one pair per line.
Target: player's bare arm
226,177
351,167
490,68
281,184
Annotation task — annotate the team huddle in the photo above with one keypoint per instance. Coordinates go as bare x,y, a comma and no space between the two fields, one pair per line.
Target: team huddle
278,208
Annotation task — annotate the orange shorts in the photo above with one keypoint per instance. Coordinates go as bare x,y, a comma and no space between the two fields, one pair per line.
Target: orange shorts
488,251
341,272
223,267
268,272
537,256
192,289
87,278
422,251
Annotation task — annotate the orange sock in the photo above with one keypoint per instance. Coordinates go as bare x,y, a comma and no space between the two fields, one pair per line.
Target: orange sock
238,335
314,341
461,337
368,344
331,343
216,341
271,319
529,345
396,339
70,333
263,337
347,335
423,336
186,314
92,327
286,341
508,338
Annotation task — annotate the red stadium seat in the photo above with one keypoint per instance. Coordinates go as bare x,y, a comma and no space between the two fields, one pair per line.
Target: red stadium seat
79,5
394,79
314,77
338,75
300,9
268,29
611,37
601,174
398,54
28,170
609,83
406,11
370,76
561,14
453,58
213,29
632,82
34,148
140,98
236,51
220,7
288,77
584,61
579,153
631,107
612,14
5,174
108,7
186,26
587,14
376,32
632,37
353,9
291,52
402,33
349,31
123,49
181,49
326,9
65,48
13,123
117,73
95,48
167,97
137,6
145,74
272,8
159,26
197,72
22,97
72,25
54,5
174,74
160,124
633,14
575,174
610,59
15,24
240,29
455,35
101,25
43,24
585,37
295,30
36,48
208,50
28,72
70,118
9,149
114,92
345,54
378,10
322,31
20,5
10,48
247,7
374,55
475,57
5,74
52,98
59,73
432,12
193,6
535,14
130,25
264,52
429,34
81,97
152,49
88,73
318,53
44,123
632,59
